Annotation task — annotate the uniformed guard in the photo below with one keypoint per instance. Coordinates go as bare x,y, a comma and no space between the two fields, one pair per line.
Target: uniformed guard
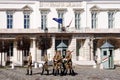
57,63
54,59
69,62
29,66
69,56
45,65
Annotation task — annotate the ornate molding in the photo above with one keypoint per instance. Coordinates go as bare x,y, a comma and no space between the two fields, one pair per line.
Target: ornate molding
61,10
25,8
78,10
60,4
45,10
98,9
95,8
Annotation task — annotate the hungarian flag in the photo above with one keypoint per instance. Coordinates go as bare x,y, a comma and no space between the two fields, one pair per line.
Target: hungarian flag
59,20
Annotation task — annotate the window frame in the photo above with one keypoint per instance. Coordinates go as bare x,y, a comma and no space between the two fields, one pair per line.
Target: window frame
77,20
9,19
94,20
26,20
110,19
44,14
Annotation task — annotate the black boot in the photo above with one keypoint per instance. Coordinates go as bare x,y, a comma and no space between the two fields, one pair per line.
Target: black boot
70,71
53,72
58,72
42,71
31,72
73,73
27,72
47,72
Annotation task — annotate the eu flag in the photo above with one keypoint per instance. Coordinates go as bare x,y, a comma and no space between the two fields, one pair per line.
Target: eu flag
59,20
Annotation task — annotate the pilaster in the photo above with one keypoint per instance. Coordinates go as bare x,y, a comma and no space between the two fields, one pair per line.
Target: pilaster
71,47
52,49
33,51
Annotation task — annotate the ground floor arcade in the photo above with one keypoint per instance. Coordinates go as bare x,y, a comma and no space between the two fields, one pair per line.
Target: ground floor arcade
86,48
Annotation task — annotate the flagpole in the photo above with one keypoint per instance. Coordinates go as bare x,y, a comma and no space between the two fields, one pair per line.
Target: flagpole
70,22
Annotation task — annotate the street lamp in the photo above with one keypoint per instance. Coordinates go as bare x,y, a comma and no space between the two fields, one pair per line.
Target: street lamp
45,40
89,43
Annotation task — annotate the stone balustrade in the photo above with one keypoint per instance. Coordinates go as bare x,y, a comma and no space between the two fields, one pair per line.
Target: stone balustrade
56,30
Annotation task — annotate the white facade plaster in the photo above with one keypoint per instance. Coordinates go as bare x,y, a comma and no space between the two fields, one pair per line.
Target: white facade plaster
35,25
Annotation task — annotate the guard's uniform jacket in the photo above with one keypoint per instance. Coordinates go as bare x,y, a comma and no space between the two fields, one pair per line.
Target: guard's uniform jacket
30,61
69,62
46,62
56,62
69,57
29,65
45,65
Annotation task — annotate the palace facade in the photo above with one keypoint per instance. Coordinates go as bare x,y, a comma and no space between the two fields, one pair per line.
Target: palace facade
88,25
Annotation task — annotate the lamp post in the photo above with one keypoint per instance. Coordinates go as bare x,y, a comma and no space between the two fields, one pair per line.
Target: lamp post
45,40
89,43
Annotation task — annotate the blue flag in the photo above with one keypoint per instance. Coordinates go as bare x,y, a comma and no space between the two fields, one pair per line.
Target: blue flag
59,20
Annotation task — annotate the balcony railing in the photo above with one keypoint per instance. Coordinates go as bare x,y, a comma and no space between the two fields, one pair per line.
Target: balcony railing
56,30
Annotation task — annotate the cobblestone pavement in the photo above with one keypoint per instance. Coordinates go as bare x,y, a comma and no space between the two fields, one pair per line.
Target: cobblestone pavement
82,73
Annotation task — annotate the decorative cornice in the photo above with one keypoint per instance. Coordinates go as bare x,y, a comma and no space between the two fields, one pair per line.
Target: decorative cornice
25,8
98,9
16,2
44,9
78,10
10,12
10,9
61,9
95,8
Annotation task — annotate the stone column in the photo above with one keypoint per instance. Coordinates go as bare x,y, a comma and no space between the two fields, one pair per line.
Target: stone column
3,58
33,51
15,54
20,57
52,48
91,48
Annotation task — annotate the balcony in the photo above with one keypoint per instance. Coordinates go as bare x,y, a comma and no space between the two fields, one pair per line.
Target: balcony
55,30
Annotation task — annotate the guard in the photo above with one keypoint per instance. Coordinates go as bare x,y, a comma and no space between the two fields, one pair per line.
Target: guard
45,65
57,63
69,62
29,66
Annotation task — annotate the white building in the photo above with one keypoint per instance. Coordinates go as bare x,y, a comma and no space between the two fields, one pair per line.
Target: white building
90,21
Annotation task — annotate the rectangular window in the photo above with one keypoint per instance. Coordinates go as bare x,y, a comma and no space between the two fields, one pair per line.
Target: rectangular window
94,19
9,20
110,19
60,15
105,53
43,19
77,20
26,20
